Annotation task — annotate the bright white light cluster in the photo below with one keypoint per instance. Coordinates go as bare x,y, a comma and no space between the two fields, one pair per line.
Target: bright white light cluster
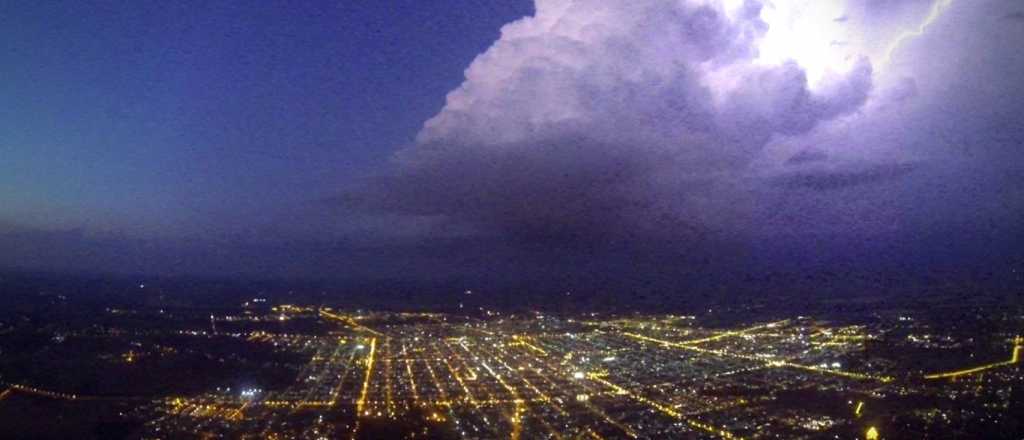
248,393
823,38
813,33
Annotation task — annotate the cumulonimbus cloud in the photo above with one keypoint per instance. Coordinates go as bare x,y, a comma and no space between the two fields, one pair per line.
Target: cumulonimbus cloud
632,117
597,117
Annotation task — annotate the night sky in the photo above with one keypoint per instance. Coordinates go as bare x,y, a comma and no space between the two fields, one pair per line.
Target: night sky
558,142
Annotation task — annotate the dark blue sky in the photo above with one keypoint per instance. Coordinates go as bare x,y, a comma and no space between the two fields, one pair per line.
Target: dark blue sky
618,141
185,118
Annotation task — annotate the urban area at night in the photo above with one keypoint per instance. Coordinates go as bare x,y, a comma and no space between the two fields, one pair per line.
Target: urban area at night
263,368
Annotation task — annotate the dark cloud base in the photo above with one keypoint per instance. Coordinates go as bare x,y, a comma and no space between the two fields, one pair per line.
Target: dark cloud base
824,180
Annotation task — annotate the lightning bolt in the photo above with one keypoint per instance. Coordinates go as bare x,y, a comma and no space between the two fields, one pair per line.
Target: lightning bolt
938,8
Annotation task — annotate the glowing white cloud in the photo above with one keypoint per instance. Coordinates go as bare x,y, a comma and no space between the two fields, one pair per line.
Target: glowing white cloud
650,115
828,36
808,32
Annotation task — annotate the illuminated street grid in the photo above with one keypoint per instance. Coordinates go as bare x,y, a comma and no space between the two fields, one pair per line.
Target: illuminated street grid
537,376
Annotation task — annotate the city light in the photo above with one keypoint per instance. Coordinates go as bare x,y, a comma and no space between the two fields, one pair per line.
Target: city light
543,376
871,434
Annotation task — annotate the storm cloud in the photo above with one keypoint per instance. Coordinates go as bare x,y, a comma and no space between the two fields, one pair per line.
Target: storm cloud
596,119
666,122
824,180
